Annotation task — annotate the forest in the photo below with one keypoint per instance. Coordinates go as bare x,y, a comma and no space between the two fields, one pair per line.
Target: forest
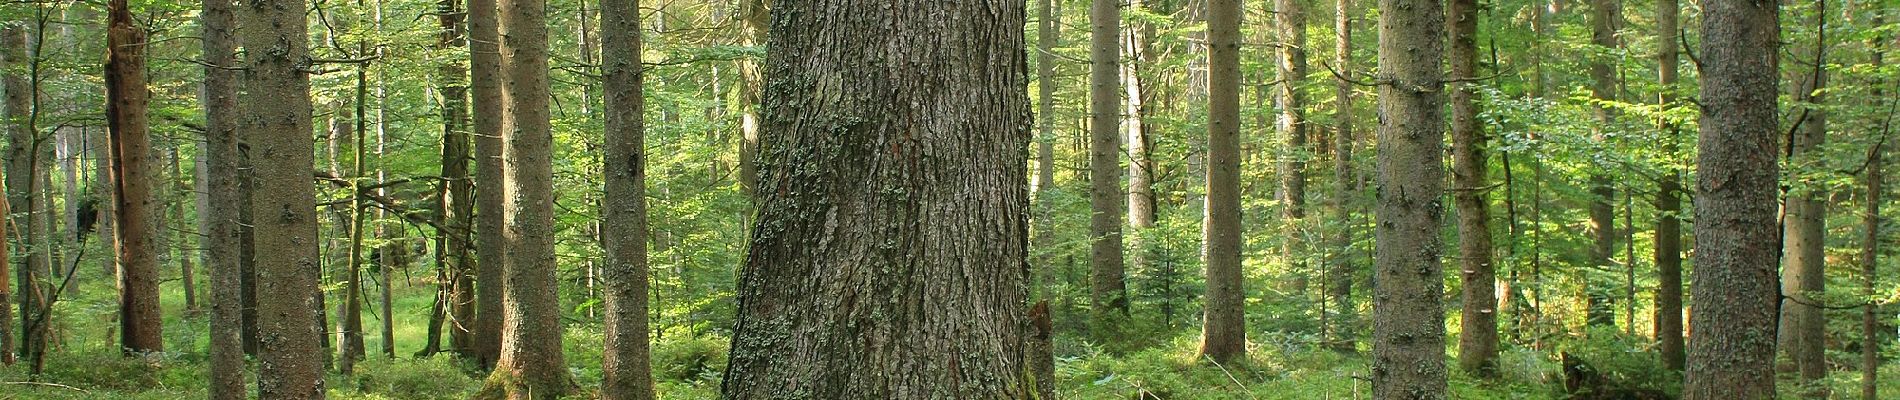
860,199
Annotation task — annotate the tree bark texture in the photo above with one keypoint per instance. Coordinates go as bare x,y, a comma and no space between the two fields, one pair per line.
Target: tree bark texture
1605,18
627,372
1668,248
1408,330
1802,333
484,53
1478,342
1224,325
137,209
1108,294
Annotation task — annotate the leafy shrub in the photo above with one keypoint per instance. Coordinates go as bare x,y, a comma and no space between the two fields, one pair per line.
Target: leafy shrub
438,377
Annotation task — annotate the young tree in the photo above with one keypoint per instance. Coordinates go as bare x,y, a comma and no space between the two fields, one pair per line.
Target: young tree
1478,342
531,362
1224,325
626,372
277,127
1669,194
1408,329
491,254
1137,118
1733,354
1804,255
1870,246
1108,293
1290,20
883,189
1341,272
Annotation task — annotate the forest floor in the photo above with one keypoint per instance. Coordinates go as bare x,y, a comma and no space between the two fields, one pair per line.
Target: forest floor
85,364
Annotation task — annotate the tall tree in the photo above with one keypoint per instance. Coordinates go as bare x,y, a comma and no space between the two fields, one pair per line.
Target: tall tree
754,16
1137,120
491,254
137,207
531,362
1224,326
1290,20
24,169
456,206
1733,354
1668,247
1870,245
1478,342
1408,330
1605,15
1345,193
277,126
1804,252
1108,294
884,189
218,215
626,370
12,55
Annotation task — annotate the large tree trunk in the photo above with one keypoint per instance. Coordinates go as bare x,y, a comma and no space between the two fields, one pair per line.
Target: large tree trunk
627,374
1669,195
1733,354
137,209
1224,326
1340,271
889,259
1290,20
1408,329
1478,342
490,248
277,121
1605,16
1804,257
1108,294
531,362
218,215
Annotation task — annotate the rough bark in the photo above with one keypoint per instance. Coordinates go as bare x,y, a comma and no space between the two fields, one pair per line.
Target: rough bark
456,205
1804,255
1668,248
1108,294
490,249
137,208
1341,271
1290,20
531,362
1478,342
218,214
1136,117
277,124
1733,354
1224,325
1408,330
12,54
626,370
1605,17
889,259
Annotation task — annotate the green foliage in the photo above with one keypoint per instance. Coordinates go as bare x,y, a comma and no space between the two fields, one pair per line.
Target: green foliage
438,377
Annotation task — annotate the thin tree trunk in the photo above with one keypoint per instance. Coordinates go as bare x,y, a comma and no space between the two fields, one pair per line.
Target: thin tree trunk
1478,342
1136,116
937,216
491,257
1341,270
1870,246
1803,271
1042,349
1733,355
187,271
1408,330
1605,17
753,19
627,373
1224,326
23,170
1290,20
531,362
218,215
277,121
456,206
1108,294
1669,195
12,54
349,335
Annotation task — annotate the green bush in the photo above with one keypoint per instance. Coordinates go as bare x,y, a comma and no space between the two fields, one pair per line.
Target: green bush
689,359
438,377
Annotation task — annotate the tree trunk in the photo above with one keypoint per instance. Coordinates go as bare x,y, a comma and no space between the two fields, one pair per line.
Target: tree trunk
12,54
1290,20
891,188
1345,196
24,167
754,16
137,209
490,248
1224,326
1669,195
218,215
1136,116
1108,294
349,333
1605,18
187,271
1870,247
1478,342
1803,271
1408,330
627,373
1041,348
1733,355
531,363
456,206
277,121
